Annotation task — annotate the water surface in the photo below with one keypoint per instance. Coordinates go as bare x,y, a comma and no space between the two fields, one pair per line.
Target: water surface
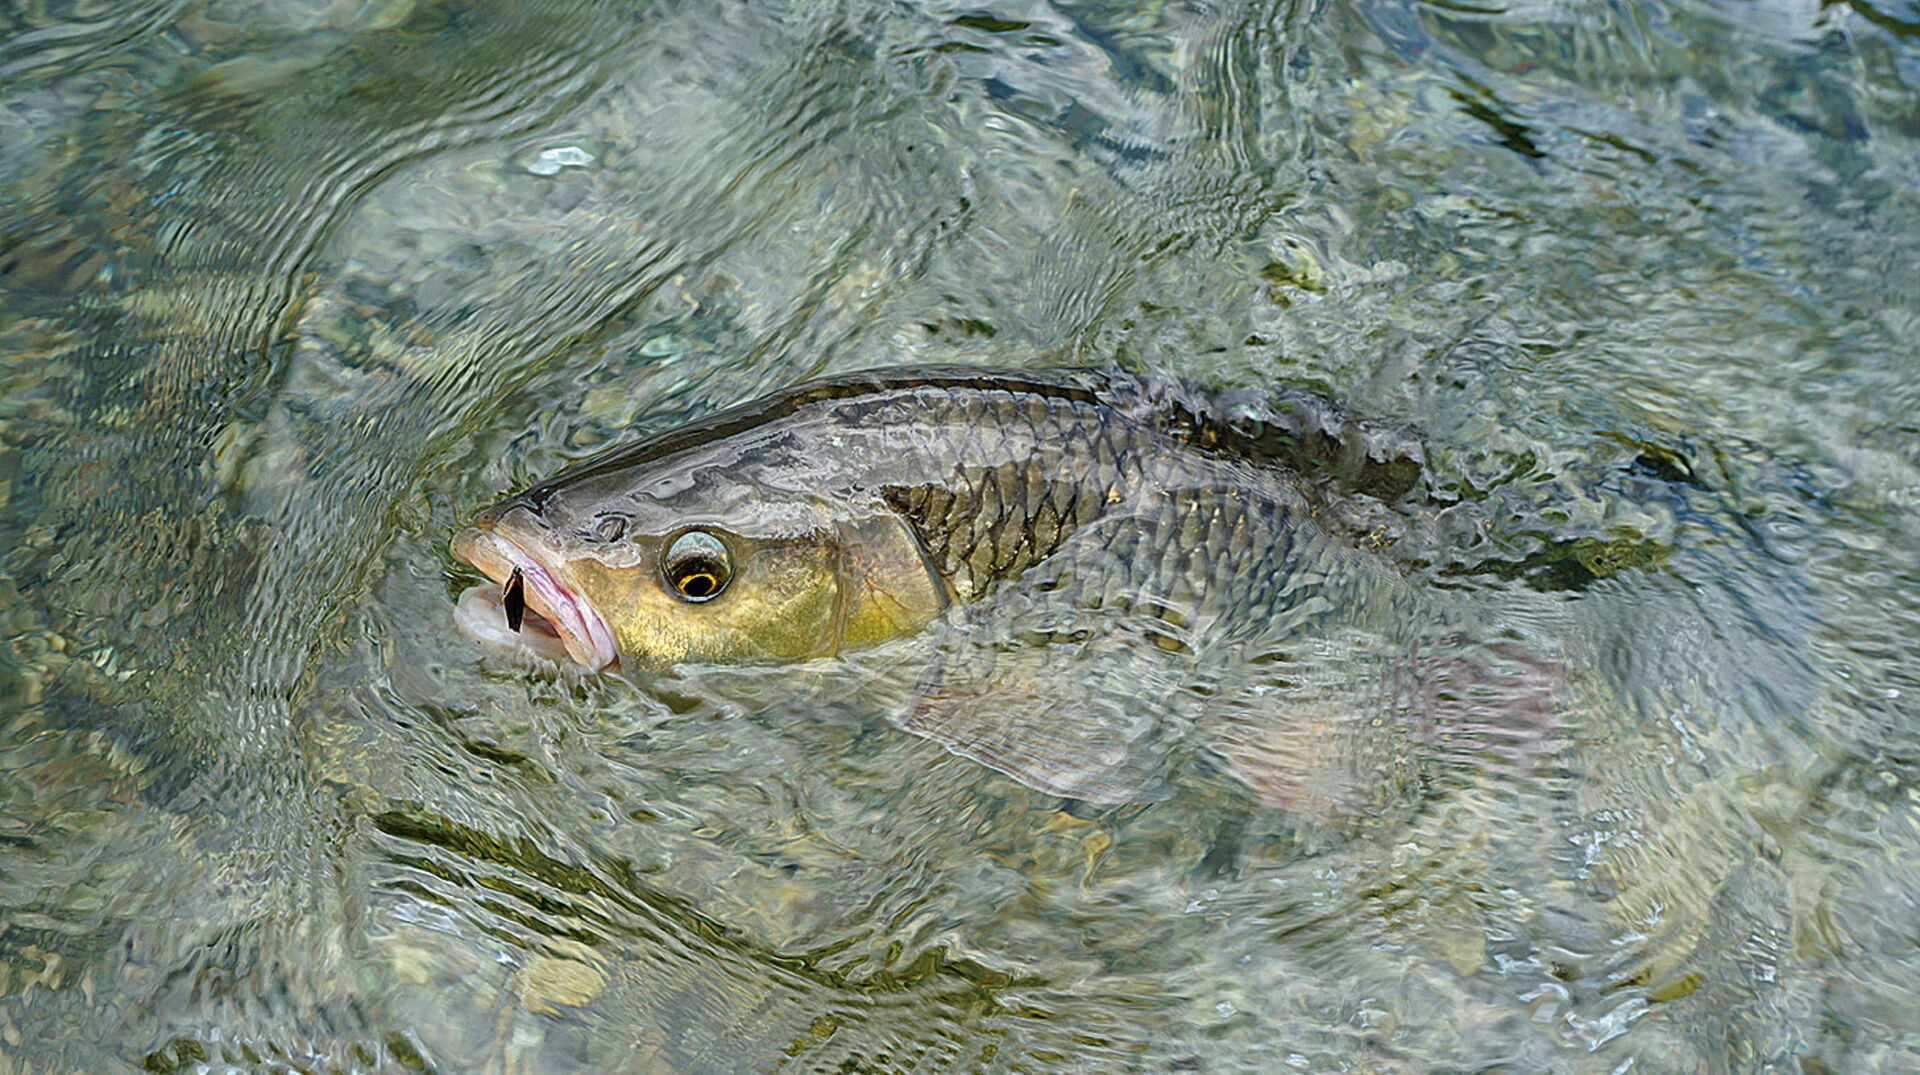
289,290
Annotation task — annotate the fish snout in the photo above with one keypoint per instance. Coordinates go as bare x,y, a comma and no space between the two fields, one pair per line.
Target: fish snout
513,520
513,515
508,543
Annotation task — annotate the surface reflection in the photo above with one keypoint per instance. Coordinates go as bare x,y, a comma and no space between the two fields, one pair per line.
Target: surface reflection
287,292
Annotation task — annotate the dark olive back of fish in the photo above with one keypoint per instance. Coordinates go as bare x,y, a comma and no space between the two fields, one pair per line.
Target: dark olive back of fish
1003,471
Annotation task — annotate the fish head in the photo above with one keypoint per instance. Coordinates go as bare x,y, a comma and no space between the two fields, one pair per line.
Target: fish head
654,566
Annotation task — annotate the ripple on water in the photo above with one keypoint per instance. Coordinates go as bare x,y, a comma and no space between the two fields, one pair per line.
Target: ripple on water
287,290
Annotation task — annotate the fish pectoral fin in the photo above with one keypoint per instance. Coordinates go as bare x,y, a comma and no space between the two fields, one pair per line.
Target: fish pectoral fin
1053,720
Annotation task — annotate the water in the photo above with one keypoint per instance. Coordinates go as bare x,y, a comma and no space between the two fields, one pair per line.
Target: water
288,290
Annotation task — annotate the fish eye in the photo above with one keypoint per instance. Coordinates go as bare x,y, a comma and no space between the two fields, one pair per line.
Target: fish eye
610,528
697,566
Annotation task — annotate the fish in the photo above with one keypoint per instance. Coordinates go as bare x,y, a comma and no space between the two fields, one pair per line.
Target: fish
1071,541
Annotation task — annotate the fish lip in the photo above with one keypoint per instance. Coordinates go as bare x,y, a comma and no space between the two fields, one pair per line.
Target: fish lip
582,630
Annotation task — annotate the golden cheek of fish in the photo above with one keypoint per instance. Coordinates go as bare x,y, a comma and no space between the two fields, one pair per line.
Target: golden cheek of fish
694,586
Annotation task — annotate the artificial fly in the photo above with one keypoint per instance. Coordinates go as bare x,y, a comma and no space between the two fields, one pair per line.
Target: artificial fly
513,598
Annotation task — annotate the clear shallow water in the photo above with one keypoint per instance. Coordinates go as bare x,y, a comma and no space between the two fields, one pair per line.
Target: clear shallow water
287,291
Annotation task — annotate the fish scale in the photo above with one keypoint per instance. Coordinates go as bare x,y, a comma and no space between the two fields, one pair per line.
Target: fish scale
982,525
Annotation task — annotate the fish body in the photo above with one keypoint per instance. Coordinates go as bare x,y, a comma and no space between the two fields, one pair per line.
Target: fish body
1075,538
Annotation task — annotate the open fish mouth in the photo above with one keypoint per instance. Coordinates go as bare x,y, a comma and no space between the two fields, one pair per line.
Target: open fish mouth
526,608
